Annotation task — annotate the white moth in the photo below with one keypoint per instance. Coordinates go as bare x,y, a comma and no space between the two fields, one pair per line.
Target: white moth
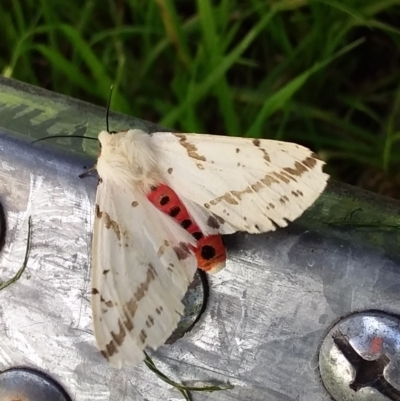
143,259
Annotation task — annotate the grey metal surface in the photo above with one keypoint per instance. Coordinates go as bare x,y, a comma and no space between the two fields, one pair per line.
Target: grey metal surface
268,311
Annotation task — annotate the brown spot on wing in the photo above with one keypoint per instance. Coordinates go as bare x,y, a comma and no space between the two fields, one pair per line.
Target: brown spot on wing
220,219
268,180
290,177
162,248
284,199
314,156
98,211
110,350
227,197
128,322
238,194
182,251
213,222
191,149
109,223
149,321
141,291
134,204
143,336
131,306
95,291
301,167
119,337
281,177
256,142
257,186
266,155
170,170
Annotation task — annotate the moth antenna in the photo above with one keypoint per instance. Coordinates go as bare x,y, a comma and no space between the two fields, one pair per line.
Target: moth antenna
108,107
70,136
63,136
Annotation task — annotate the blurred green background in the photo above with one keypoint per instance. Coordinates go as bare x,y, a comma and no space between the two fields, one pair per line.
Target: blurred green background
321,73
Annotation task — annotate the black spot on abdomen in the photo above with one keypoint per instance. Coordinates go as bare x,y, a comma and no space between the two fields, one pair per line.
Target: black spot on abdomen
175,211
186,224
164,200
207,252
198,235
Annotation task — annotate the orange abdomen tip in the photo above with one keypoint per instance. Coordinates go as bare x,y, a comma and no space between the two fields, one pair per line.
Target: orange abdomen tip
211,254
210,251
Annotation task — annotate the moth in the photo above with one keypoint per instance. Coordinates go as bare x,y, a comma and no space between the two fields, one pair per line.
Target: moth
162,202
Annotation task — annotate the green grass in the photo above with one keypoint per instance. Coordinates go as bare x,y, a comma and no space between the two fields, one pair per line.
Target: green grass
323,73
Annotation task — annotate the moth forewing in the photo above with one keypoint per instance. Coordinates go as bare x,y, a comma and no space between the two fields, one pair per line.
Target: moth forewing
252,185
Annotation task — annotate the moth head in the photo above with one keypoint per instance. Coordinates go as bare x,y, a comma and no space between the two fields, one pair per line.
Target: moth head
111,139
104,138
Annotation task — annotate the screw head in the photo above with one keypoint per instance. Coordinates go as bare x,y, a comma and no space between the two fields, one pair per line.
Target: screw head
359,359
25,384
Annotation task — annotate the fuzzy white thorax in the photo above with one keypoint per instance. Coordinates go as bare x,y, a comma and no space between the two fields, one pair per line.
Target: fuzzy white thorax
127,159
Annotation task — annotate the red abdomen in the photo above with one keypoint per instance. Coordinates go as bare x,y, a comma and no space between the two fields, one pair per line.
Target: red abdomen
210,251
